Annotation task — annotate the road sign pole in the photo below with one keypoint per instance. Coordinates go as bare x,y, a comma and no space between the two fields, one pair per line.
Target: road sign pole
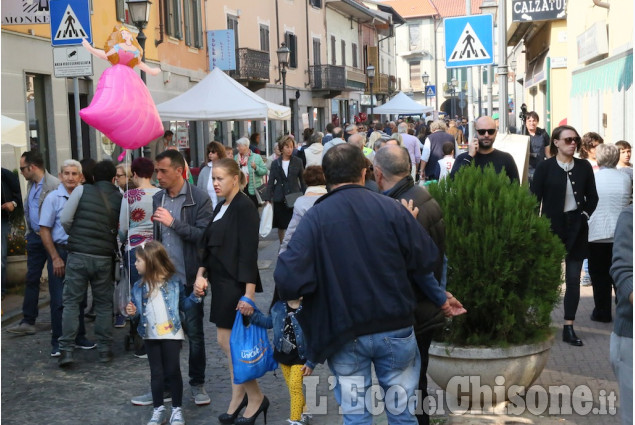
470,96
78,123
502,68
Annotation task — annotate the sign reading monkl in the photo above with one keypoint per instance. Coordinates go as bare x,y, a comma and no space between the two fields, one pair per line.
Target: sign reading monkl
539,10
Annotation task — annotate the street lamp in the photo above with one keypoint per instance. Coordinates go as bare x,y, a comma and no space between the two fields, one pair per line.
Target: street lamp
370,73
140,15
454,83
283,61
426,78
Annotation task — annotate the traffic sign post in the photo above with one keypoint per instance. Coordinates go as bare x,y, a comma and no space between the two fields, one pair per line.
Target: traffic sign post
70,22
431,91
469,40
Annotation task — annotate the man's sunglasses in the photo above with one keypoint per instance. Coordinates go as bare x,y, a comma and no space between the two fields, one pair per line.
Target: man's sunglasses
571,140
489,131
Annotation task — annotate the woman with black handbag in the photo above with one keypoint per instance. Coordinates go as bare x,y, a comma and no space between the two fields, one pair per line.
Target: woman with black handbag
285,185
565,186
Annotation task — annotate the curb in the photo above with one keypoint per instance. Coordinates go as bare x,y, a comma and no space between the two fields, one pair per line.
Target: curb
13,316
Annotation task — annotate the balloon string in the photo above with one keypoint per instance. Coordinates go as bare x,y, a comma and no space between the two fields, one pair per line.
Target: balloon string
128,218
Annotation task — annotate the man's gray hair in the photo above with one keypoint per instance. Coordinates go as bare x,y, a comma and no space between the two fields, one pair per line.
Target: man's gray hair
76,164
607,155
394,161
438,125
403,127
243,141
357,139
378,144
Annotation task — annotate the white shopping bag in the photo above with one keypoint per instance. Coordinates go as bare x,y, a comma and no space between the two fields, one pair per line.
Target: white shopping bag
266,220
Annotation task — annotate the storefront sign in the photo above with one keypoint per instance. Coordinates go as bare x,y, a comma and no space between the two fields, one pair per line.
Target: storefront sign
558,62
538,10
593,42
25,12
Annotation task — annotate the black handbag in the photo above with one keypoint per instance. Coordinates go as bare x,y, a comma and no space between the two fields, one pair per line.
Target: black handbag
290,199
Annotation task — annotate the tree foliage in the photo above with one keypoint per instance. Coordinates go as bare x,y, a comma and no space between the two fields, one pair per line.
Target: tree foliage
504,263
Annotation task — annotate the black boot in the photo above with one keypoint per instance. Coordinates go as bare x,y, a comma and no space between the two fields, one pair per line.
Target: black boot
569,336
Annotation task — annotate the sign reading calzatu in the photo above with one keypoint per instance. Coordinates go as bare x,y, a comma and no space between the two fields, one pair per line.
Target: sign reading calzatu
538,10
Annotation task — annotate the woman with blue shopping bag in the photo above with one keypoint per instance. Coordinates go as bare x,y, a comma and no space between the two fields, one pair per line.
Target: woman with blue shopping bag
229,257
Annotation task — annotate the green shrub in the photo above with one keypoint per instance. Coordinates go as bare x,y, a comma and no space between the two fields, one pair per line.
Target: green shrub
504,263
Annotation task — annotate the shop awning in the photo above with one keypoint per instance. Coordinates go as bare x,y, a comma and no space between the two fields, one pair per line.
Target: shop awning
614,74
536,70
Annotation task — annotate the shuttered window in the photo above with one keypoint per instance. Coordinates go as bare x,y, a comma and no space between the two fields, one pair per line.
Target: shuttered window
292,44
264,38
193,24
173,18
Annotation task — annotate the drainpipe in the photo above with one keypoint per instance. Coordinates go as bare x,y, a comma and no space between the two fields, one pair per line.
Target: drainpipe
601,4
160,40
548,95
308,61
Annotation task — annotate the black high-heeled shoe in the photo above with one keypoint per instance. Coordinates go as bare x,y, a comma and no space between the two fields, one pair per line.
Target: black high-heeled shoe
229,418
264,406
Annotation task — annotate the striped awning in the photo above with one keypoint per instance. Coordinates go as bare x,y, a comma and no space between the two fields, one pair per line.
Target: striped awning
613,74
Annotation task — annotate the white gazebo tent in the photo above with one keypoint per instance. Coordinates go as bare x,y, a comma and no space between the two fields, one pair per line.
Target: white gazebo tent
402,104
14,138
218,97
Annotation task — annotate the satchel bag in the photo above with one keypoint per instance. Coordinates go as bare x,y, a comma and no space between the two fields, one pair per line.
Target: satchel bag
266,221
251,351
290,199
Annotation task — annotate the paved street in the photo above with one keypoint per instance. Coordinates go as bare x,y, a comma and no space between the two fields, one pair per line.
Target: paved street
36,391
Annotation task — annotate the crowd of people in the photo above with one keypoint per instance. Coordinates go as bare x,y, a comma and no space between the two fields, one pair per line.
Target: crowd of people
333,298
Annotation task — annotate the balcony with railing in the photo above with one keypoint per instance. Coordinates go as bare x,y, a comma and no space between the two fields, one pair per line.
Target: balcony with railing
384,84
327,80
252,68
355,79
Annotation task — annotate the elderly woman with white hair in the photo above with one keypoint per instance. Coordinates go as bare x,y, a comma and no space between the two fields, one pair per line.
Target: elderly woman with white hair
252,166
615,193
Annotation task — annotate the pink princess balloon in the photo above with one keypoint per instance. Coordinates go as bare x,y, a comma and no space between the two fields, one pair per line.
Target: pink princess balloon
122,107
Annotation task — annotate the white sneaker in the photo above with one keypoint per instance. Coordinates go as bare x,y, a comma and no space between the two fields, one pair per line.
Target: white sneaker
177,417
159,416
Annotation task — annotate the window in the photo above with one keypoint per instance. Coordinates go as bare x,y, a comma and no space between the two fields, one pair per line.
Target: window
354,53
292,44
264,38
193,26
316,3
232,24
173,18
343,53
415,74
333,59
37,113
122,15
414,37
317,47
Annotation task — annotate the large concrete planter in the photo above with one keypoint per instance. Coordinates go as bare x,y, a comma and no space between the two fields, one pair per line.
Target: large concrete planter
473,371
16,271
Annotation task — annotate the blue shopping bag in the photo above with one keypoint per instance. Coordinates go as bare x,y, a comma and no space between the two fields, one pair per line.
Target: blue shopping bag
252,354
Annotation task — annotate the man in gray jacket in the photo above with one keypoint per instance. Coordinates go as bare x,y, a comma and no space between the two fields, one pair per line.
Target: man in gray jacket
41,183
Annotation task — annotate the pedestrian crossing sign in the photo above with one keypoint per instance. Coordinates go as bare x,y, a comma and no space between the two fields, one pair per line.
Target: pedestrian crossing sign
70,22
431,91
469,41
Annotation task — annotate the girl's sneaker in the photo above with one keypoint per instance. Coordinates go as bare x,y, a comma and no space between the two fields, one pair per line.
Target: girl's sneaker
177,417
159,416
303,421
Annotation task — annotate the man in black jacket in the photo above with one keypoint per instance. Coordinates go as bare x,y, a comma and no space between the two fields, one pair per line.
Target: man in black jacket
91,219
392,173
11,199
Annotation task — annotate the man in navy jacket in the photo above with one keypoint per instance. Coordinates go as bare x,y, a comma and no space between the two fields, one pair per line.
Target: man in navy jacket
355,257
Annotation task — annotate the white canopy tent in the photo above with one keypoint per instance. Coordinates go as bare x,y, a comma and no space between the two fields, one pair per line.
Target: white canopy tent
14,139
402,104
218,97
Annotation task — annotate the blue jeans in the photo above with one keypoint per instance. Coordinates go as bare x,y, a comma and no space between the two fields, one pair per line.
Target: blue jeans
193,327
129,264
396,359
56,289
35,260
622,362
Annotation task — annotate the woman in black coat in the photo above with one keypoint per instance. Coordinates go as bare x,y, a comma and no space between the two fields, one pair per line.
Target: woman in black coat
229,257
566,187
285,178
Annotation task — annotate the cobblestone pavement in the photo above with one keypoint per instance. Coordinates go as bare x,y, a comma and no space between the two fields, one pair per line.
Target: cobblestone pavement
36,391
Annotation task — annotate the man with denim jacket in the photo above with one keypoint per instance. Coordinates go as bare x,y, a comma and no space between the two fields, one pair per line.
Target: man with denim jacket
182,211
358,305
